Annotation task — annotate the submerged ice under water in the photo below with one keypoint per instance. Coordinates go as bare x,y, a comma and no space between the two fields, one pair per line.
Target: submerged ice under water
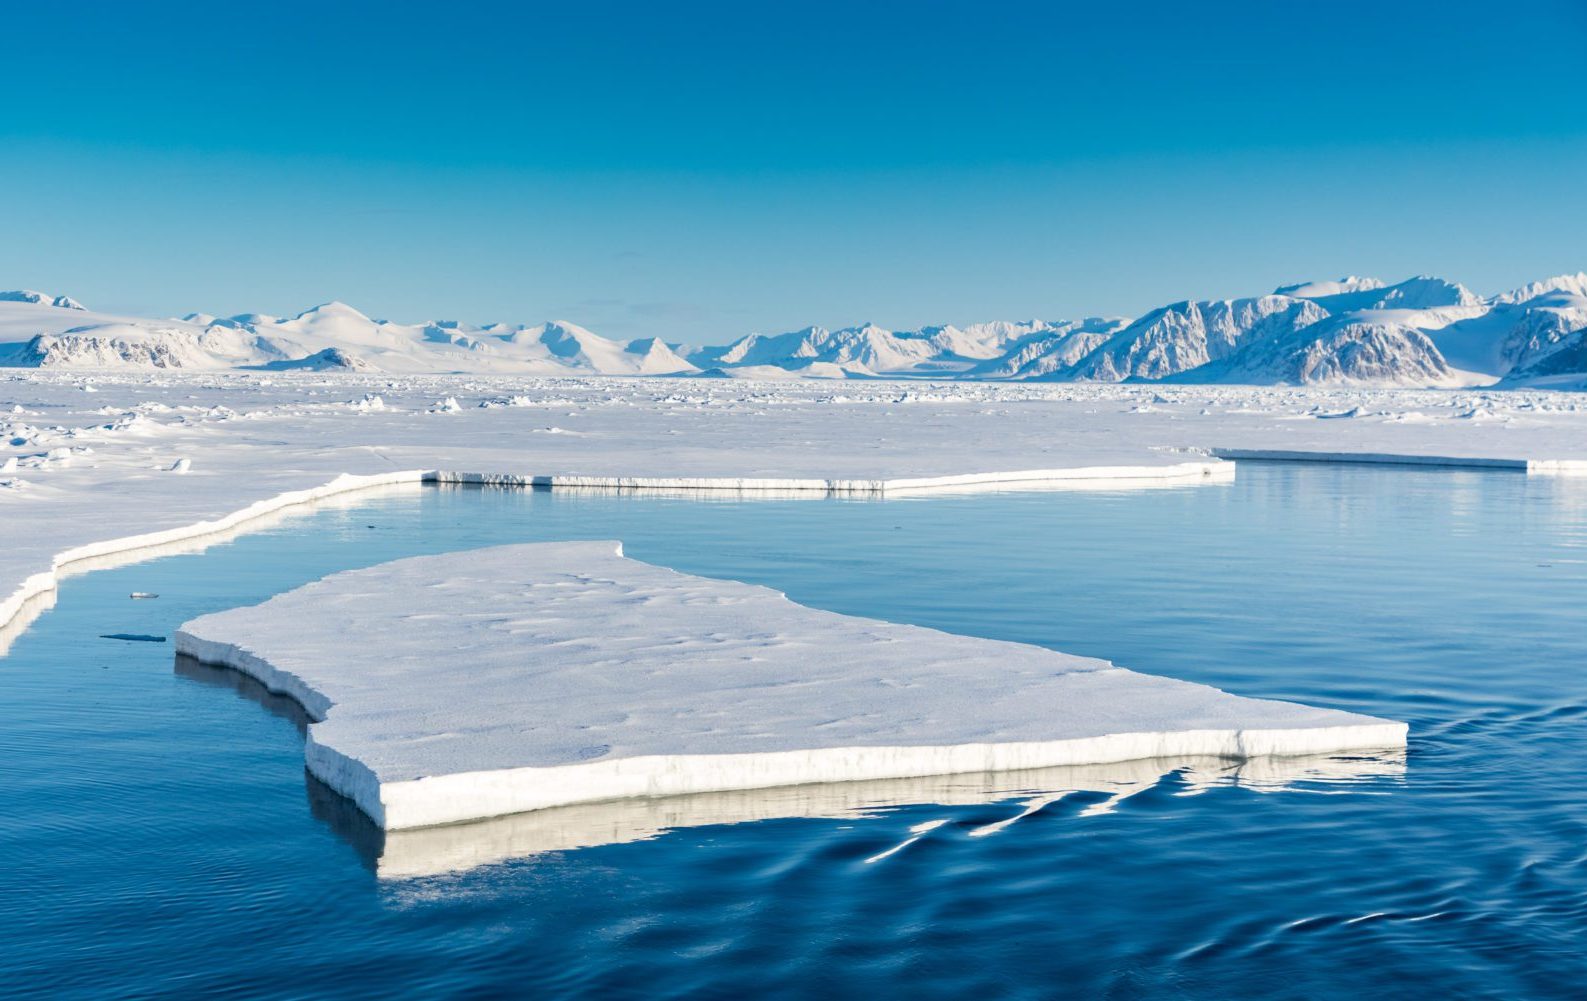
160,836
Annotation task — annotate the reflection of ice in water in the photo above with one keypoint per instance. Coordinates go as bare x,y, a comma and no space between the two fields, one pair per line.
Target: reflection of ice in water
451,848
1193,468
457,847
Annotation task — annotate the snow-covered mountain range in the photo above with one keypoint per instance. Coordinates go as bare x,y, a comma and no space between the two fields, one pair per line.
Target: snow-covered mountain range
1354,331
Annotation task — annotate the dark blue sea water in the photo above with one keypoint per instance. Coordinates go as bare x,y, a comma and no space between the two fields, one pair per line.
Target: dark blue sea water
158,837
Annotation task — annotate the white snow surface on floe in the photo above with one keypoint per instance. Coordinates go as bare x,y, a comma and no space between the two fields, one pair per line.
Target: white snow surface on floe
482,683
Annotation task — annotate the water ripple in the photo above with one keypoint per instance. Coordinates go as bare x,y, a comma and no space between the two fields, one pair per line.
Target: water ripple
161,838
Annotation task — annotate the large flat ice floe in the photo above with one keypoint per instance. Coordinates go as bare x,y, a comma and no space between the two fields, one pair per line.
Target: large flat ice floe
112,464
493,682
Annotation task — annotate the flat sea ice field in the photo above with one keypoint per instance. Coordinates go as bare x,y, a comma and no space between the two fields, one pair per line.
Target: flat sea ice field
161,837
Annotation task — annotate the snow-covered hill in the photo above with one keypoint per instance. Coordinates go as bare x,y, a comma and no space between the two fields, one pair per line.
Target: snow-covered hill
1423,331
333,336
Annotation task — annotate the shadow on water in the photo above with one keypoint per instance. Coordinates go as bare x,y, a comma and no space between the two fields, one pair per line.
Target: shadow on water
454,848
349,823
224,677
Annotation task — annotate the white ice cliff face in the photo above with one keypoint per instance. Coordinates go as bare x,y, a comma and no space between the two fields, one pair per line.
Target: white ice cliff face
1423,331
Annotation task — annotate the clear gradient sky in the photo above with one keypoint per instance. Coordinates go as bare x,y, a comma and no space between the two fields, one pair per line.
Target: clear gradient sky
698,171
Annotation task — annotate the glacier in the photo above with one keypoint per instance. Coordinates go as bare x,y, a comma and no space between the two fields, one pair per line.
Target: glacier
491,682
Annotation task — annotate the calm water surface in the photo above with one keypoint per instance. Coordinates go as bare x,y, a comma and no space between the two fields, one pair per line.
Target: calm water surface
159,837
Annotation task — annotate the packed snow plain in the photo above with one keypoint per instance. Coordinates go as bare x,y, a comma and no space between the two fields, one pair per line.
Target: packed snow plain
490,682
101,466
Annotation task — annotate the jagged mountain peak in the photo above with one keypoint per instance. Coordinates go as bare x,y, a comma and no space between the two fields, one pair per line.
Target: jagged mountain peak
35,298
1314,290
1575,284
1424,330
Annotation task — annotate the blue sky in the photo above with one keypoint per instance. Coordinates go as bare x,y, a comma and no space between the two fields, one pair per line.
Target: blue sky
697,171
